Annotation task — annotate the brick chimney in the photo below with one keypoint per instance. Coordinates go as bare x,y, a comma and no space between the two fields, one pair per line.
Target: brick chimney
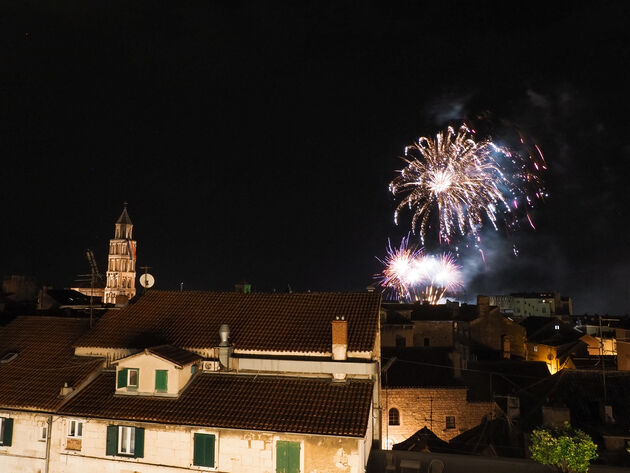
339,338
483,305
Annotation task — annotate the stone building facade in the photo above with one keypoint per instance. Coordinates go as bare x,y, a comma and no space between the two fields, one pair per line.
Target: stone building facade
446,411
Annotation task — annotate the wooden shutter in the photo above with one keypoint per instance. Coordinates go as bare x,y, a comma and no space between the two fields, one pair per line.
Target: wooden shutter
122,378
161,380
112,440
139,445
203,454
7,438
287,457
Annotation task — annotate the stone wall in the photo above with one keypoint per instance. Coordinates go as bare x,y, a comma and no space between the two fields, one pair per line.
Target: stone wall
420,407
27,453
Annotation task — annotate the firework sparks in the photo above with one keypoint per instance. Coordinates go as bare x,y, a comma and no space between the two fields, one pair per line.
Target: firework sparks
461,179
409,273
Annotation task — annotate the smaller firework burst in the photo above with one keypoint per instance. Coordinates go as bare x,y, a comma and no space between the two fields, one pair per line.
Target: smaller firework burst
399,273
412,275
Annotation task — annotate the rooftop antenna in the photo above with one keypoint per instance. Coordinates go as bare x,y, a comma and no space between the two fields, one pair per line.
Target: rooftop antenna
181,286
146,280
94,276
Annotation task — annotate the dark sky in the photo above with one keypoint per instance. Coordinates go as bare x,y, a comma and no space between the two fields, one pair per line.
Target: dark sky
256,141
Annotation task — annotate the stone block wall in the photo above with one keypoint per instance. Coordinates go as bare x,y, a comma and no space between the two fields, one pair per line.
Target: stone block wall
420,407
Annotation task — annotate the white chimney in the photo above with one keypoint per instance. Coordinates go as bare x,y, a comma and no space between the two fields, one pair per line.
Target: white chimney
225,347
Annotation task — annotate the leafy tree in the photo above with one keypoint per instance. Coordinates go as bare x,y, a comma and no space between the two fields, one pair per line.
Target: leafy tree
568,449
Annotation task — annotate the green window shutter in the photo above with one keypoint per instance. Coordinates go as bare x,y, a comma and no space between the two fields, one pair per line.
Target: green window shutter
161,380
112,440
7,438
139,446
203,454
293,457
122,378
287,457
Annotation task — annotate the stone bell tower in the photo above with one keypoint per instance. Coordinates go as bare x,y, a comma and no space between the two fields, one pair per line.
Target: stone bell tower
121,263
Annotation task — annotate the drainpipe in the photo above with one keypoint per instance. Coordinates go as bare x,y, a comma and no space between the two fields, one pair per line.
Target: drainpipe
49,434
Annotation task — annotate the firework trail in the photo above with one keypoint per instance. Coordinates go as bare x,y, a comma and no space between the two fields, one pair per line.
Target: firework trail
399,273
463,181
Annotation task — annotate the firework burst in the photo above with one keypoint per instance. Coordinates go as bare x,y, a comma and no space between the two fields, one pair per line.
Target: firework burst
414,275
463,180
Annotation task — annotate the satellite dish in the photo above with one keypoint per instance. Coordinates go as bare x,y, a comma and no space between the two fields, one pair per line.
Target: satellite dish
147,281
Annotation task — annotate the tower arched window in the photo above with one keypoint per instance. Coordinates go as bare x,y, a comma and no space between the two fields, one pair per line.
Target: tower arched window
394,417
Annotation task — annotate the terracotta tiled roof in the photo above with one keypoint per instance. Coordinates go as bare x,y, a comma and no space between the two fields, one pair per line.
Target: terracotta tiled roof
267,322
264,403
175,355
44,363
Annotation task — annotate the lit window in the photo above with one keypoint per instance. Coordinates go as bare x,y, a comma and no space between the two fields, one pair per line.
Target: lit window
450,422
75,428
535,347
126,440
394,417
557,327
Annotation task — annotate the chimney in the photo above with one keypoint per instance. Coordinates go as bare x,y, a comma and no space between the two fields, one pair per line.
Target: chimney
339,338
225,347
66,390
483,306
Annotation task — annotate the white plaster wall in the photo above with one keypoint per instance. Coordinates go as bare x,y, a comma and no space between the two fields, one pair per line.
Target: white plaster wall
27,453
169,449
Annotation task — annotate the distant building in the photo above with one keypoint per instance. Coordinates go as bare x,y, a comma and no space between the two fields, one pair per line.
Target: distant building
121,264
522,305
18,288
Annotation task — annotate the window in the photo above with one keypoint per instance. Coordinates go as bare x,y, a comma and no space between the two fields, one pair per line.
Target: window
394,417
535,348
287,457
450,422
128,377
125,440
557,327
161,380
426,342
6,431
75,428
43,433
401,342
203,454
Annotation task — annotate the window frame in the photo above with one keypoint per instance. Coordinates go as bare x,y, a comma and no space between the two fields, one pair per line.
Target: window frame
450,425
393,414
77,431
130,443
137,372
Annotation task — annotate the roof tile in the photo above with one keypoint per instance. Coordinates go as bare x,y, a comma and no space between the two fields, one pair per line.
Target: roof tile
265,322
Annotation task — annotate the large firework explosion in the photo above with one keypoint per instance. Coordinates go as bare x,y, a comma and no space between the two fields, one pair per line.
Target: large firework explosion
464,180
413,275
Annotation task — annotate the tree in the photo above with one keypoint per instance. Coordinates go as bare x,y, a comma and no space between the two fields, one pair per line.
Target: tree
568,449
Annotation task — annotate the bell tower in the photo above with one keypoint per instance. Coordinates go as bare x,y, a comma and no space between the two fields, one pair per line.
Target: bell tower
121,263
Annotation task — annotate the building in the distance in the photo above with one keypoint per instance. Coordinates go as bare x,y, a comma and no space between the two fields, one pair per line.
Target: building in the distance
120,283
522,305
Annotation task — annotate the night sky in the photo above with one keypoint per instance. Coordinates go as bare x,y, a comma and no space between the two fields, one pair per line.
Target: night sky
255,141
